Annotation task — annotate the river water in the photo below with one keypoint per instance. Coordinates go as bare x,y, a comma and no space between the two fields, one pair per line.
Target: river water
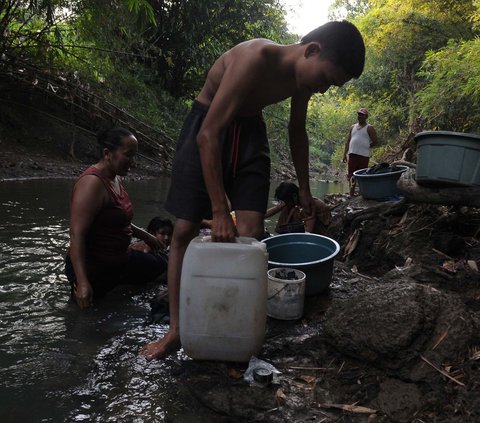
60,364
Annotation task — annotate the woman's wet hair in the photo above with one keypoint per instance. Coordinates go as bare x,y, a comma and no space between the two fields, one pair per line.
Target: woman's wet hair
287,192
111,138
158,223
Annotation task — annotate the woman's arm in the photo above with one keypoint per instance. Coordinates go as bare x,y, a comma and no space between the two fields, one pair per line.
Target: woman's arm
89,196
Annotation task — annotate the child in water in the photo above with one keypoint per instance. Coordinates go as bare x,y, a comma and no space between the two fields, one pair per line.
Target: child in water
162,230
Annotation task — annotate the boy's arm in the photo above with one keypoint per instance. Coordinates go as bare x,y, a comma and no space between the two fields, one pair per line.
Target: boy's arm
236,82
298,140
153,242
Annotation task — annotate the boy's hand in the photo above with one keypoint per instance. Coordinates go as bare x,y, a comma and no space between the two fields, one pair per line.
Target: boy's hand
223,228
154,243
308,204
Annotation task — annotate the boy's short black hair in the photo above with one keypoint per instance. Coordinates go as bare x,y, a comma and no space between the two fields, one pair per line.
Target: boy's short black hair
341,42
158,223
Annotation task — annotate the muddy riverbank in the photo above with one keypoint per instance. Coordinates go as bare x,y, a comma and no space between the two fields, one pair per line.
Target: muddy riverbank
395,338
17,162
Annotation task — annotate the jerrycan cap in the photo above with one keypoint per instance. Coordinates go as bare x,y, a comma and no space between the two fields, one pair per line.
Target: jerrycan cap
263,375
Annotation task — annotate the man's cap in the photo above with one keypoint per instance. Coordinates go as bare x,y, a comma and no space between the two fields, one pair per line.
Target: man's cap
363,111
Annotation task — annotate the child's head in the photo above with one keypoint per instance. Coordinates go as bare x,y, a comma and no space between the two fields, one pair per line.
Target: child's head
342,43
162,229
287,192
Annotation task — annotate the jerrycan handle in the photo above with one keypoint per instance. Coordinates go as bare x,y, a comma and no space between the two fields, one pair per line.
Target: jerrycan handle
261,245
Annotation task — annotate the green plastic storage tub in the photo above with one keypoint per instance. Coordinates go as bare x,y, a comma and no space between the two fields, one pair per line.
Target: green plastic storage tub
448,158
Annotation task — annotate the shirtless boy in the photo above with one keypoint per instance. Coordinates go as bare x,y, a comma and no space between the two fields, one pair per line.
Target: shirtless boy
222,152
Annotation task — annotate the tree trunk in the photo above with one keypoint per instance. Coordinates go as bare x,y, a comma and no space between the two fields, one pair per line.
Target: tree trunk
444,195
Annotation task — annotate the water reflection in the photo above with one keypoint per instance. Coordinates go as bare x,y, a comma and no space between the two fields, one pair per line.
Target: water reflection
56,362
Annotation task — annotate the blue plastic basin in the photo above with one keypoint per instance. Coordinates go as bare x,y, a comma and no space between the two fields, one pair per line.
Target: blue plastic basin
378,186
312,254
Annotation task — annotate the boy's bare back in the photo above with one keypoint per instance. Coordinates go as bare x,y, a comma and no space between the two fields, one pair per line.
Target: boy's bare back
255,74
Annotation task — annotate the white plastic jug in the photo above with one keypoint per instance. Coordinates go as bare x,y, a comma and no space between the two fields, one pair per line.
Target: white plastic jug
223,297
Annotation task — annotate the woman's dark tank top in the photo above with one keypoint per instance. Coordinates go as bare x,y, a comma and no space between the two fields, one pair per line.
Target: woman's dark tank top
110,234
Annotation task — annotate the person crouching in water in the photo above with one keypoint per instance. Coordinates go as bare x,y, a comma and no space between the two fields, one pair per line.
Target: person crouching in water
161,229
101,228
292,217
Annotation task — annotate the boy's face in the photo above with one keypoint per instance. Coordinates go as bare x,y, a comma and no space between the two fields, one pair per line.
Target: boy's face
164,235
318,73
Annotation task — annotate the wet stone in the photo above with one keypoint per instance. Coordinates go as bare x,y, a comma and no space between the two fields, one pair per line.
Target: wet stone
399,400
391,325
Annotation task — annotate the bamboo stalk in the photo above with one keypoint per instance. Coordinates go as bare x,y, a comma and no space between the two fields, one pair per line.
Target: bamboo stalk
443,372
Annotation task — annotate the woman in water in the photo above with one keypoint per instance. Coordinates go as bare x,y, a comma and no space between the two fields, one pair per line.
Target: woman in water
101,228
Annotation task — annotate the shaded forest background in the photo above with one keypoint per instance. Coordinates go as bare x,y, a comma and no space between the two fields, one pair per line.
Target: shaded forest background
68,68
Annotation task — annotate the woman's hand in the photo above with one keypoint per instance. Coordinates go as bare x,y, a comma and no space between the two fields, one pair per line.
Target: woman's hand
83,294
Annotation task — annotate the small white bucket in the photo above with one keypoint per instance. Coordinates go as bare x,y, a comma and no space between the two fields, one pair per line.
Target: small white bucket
286,293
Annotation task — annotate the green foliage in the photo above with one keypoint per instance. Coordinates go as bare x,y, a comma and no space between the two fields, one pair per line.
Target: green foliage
143,54
151,57
450,100
29,28
157,108
177,40
349,9
402,38
276,121
142,8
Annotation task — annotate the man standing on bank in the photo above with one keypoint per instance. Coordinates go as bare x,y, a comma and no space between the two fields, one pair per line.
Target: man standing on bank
223,154
361,138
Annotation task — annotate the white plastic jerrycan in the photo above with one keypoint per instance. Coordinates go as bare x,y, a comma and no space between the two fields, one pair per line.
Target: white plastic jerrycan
223,297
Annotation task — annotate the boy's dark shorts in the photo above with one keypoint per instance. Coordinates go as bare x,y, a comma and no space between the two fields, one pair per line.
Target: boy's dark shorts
245,161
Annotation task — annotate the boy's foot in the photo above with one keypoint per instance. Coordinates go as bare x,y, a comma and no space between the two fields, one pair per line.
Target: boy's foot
160,349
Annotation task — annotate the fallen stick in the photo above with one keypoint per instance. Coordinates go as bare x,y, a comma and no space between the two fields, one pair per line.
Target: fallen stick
311,368
442,254
443,372
350,407
441,338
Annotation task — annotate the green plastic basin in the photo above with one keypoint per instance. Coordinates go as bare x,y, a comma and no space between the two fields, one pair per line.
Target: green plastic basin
448,158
